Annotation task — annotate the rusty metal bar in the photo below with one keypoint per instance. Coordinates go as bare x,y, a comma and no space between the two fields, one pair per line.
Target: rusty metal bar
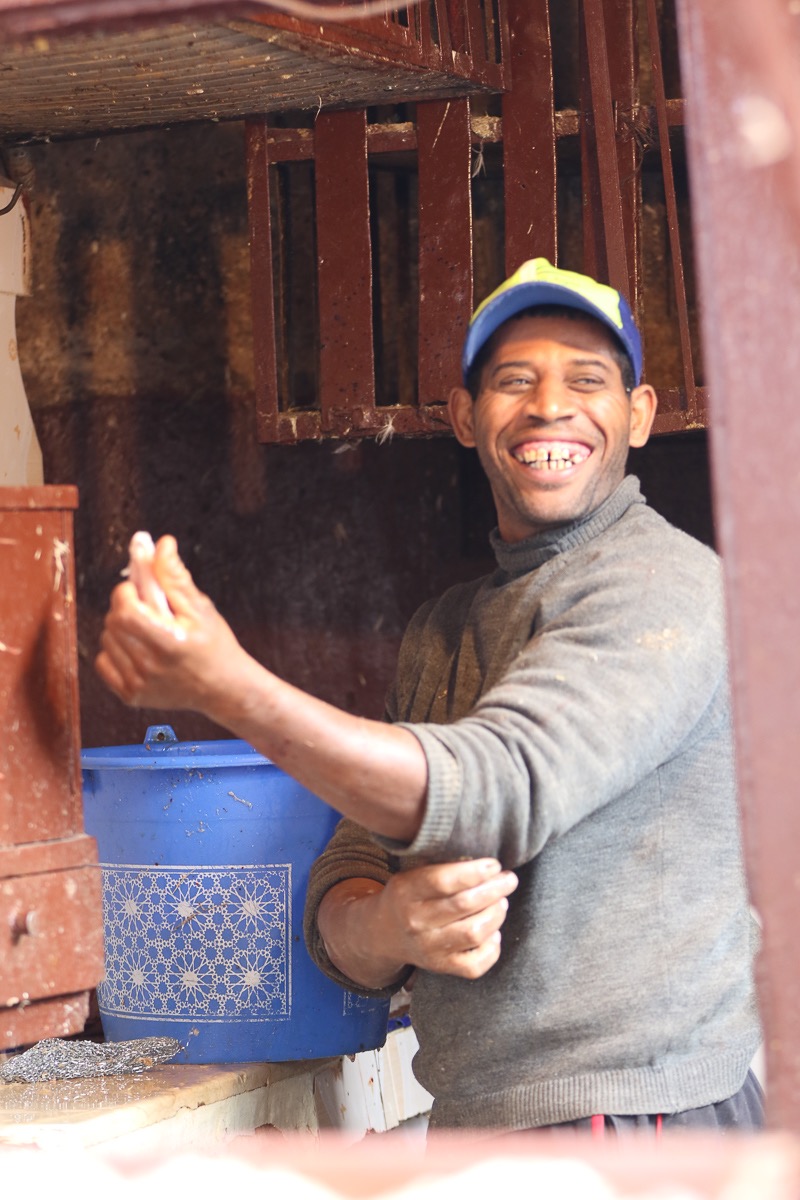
671,415
604,133
347,360
261,279
394,198
294,145
445,244
594,251
420,15
529,138
672,210
457,24
743,136
443,23
475,30
370,35
623,66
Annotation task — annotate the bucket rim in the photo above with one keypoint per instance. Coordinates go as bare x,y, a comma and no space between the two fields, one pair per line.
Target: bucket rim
162,755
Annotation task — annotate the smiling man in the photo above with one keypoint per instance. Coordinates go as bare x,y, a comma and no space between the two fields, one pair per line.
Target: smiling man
553,396
544,832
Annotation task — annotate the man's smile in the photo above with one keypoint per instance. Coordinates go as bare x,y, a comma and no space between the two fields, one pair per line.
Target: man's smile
551,455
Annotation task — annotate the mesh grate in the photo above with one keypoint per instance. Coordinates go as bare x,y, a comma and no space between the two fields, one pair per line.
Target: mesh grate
55,1058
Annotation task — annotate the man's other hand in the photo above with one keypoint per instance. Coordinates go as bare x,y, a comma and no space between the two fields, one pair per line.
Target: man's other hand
445,917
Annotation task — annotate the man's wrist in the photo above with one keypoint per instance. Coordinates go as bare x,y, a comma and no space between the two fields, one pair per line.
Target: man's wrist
354,937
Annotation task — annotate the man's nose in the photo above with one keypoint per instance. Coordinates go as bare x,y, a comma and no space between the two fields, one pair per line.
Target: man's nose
549,400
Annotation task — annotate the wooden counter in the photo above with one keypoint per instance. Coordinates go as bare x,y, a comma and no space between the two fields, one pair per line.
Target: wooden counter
174,1108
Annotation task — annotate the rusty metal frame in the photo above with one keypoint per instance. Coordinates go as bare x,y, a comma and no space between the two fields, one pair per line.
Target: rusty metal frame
475,36
529,130
441,140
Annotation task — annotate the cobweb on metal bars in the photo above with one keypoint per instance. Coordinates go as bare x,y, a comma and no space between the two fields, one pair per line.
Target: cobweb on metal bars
55,1058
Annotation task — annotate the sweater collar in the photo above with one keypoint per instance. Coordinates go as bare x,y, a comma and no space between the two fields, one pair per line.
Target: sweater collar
517,558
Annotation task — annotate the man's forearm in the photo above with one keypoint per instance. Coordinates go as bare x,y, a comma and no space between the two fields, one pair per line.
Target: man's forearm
373,772
352,933
189,658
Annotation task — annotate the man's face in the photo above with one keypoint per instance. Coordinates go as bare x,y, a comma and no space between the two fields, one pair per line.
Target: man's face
552,422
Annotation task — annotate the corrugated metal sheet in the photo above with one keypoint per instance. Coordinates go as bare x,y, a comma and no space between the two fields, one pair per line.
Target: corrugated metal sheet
76,85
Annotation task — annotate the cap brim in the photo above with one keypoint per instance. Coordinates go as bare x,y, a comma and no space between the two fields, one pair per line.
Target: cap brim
532,295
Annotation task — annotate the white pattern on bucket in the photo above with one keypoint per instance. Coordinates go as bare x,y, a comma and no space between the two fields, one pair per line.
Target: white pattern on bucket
203,943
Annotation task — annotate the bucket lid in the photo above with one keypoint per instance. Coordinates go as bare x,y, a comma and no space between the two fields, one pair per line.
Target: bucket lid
161,749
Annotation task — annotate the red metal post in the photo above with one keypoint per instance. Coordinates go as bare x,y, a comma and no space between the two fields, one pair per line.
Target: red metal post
594,253
347,360
623,69
743,126
606,142
261,280
529,138
445,243
678,277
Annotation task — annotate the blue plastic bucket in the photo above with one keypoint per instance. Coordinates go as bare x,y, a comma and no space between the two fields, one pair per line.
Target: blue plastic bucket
205,850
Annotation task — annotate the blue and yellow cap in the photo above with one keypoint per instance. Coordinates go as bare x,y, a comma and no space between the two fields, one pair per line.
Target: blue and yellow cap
537,282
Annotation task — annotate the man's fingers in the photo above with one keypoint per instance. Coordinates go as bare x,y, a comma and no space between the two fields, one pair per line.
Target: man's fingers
453,878
486,893
473,931
106,669
135,644
118,673
471,964
470,899
441,946
445,926
436,920
130,618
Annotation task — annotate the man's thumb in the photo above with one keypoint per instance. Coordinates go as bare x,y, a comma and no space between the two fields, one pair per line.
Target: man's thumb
174,577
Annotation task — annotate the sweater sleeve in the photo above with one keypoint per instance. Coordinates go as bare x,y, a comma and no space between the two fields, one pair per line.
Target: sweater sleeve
350,854
625,668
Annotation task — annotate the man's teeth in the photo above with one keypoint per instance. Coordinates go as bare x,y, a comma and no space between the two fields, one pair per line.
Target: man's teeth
555,456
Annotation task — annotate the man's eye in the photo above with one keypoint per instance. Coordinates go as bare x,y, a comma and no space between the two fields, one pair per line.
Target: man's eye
587,382
515,383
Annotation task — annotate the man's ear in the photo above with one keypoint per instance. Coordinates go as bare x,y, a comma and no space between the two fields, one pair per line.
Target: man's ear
643,410
459,406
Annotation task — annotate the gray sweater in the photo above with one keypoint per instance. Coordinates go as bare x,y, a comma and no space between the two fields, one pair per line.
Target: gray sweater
573,708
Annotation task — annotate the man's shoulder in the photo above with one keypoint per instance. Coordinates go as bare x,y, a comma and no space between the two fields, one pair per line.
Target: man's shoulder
647,533
452,602
652,568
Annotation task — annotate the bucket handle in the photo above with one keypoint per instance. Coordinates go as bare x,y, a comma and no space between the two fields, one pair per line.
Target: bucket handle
160,733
